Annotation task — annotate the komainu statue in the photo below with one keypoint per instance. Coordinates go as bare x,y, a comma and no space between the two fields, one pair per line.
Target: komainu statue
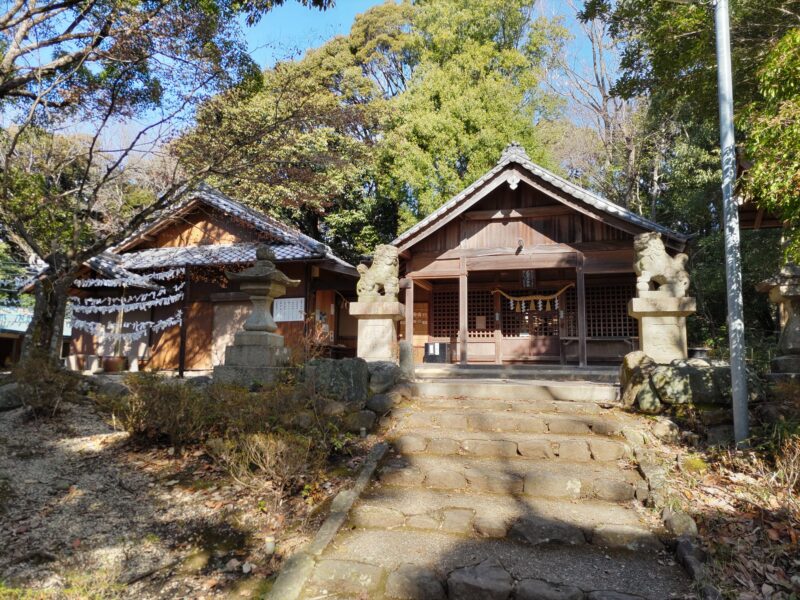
382,275
652,264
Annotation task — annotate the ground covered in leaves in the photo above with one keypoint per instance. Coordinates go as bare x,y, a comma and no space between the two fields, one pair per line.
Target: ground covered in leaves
87,513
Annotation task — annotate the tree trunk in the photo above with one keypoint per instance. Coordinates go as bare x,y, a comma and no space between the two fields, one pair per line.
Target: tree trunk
45,332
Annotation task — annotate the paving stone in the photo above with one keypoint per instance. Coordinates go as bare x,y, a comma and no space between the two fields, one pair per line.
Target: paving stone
536,531
411,444
552,485
402,476
486,581
418,419
494,482
445,479
613,490
423,521
529,424
604,426
568,426
537,589
539,449
606,450
457,520
376,516
577,450
411,582
625,536
494,448
491,525
451,421
443,446
347,576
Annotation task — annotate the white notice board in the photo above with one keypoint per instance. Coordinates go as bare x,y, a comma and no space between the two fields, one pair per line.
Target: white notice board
289,309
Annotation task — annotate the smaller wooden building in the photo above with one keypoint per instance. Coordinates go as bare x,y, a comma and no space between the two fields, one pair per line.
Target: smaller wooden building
161,300
524,266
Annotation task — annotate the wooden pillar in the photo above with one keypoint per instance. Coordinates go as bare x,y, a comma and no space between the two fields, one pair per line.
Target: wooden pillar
184,319
410,312
462,313
581,294
498,331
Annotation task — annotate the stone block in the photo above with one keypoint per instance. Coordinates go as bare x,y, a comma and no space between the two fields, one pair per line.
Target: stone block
445,479
347,576
647,399
552,485
457,520
577,450
247,376
263,339
376,517
411,582
607,450
494,482
625,536
377,329
672,385
451,421
345,380
536,531
606,595
423,521
491,525
492,448
402,476
10,396
383,403
538,449
538,589
485,581
443,447
407,367
383,375
613,490
568,427
411,444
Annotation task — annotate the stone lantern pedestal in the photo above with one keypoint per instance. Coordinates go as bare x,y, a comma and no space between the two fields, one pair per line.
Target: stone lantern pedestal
257,354
377,329
784,290
662,324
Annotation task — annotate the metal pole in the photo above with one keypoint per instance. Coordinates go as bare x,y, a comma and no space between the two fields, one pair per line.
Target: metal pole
730,214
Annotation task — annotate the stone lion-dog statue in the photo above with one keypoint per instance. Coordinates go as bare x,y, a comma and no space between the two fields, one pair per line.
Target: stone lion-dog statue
383,274
652,264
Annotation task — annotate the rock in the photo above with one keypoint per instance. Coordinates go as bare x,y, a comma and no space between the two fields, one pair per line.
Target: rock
647,399
625,536
112,389
536,531
200,382
633,374
538,589
678,523
613,490
701,380
491,525
665,429
411,444
485,581
410,582
690,556
383,376
10,397
382,403
345,380
355,421
232,565
671,385
457,520
304,419
612,596
407,371
607,450
715,416
333,408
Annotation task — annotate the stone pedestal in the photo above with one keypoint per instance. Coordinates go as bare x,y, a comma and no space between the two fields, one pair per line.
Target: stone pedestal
377,329
662,324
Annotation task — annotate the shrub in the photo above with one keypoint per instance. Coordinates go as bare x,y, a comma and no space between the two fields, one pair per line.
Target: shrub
44,385
158,407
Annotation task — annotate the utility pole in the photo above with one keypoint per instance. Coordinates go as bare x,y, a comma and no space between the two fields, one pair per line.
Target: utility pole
733,270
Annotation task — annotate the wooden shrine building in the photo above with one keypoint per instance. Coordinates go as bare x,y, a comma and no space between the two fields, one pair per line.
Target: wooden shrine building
524,266
160,299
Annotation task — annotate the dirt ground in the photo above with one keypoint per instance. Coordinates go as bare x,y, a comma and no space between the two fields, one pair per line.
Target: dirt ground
86,513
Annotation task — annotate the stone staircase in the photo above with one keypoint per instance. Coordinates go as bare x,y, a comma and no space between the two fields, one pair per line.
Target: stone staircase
496,495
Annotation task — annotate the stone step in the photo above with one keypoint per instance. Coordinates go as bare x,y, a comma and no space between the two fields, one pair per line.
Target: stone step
508,421
522,446
518,373
544,479
369,563
539,390
518,406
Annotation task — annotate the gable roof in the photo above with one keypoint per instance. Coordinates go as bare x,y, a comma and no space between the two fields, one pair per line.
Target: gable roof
514,153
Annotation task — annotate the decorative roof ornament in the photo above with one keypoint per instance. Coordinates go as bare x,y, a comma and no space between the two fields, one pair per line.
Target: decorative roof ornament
514,151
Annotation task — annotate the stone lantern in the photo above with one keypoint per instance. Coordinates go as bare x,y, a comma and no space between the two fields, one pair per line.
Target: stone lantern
784,290
257,353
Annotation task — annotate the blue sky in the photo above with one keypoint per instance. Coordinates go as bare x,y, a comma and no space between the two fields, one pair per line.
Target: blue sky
293,28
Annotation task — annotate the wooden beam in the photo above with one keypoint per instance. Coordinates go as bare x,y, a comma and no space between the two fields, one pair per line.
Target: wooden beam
523,261
410,313
184,319
498,332
425,285
462,318
581,294
518,213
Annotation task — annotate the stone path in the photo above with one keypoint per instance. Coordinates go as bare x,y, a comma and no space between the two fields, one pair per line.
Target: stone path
490,499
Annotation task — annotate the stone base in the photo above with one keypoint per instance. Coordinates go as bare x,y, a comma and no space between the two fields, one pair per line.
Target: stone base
246,376
662,326
254,357
377,329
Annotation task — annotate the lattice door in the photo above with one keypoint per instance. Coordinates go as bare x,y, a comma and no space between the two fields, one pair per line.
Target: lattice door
532,322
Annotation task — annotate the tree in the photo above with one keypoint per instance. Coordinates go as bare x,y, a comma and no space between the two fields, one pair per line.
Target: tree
95,67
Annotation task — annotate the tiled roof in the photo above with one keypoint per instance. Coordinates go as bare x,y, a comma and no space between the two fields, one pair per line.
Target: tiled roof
109,265
514,153
215,254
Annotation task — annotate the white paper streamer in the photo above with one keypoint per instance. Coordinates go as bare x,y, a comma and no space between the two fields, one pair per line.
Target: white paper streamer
129,281
140,328
144,305
110,300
